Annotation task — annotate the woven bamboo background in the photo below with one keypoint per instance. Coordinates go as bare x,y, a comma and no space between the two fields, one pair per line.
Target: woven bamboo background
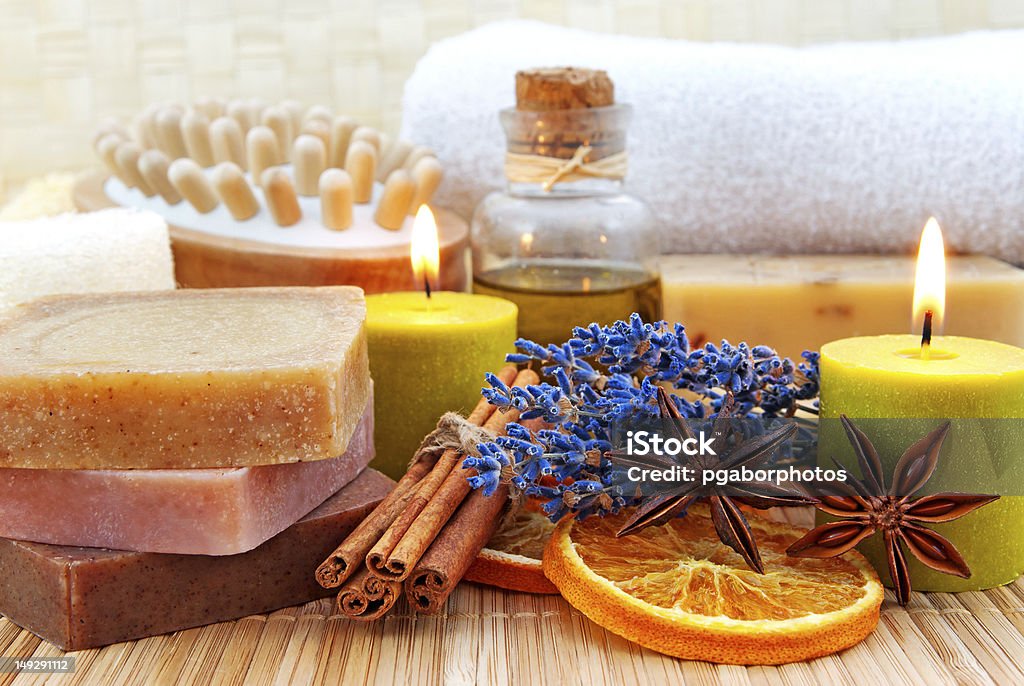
64,64
489,636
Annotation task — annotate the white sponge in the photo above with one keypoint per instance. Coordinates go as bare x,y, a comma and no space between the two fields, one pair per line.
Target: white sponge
110,250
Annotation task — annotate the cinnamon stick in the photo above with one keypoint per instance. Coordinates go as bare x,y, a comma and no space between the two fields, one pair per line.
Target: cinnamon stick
380,553
431,520
449,557
348,557
367,597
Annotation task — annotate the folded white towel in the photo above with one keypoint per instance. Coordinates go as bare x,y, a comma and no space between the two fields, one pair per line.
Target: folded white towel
110,250
757,148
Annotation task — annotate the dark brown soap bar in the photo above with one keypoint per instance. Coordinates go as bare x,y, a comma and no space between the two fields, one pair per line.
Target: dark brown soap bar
87,597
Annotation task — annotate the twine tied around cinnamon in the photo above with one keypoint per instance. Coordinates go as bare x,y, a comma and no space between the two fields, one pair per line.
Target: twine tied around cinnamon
525,168
455,432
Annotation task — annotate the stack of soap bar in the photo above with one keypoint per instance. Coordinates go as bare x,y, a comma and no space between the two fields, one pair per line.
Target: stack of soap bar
192,511
82,597
182,379
797,303
110,250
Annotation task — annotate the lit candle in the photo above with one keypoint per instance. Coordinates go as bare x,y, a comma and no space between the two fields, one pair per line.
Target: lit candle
911,383
429,351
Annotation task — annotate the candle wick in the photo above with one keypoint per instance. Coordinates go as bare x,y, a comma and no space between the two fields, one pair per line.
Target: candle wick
426,285
926,335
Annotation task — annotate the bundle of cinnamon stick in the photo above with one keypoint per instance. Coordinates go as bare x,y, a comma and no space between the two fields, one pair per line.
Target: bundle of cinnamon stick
426,533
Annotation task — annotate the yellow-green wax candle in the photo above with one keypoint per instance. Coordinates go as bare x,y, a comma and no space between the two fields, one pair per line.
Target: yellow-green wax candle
977,384
429,356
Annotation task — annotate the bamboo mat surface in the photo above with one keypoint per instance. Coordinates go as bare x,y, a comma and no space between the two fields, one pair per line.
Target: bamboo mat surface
489,636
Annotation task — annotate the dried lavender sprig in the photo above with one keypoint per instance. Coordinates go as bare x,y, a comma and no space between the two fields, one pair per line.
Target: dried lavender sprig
566,466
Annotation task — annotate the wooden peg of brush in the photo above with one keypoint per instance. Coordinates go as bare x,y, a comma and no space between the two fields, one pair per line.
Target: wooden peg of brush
393,207
427,174
167,124
227,141
309,160
336,199
280,197
261,151
361,163
342,128
277,119
127,158
153,165
189,180
195,129
231,186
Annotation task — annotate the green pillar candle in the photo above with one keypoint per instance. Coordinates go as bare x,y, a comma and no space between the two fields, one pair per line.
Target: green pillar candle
977,384
429,356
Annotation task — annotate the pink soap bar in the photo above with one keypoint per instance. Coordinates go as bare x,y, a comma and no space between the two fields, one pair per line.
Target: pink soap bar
185,511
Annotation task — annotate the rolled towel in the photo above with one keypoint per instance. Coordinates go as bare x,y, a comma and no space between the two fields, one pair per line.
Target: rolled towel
757,148
110,250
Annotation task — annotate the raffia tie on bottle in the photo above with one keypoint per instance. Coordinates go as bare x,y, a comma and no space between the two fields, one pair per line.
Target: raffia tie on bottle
547,171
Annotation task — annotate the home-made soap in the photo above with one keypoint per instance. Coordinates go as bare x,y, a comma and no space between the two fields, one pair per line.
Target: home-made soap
81,598
182,379
187,511
797,303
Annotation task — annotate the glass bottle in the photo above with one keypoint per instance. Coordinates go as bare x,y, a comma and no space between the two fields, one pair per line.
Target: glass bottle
568,247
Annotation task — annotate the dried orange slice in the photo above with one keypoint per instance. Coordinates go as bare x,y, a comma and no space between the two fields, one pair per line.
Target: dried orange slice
678,590
511,559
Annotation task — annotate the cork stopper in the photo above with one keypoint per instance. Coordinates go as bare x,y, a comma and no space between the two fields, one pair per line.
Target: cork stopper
563,88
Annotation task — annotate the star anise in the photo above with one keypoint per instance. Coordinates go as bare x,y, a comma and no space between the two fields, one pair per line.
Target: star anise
869,506
723,500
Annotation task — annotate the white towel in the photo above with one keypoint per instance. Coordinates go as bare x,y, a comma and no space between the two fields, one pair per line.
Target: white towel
110,250
757,148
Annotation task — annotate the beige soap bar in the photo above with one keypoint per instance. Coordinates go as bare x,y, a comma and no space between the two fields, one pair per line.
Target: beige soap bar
182,379
796,303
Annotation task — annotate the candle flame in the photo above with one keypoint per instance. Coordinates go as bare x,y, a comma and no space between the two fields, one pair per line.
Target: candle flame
424,249
930,277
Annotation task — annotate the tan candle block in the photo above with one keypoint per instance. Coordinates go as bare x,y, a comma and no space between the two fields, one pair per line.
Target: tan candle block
238,109
336,199
277,119
261,151
230,184
417,154
360,163
427,174
309,159
227,141
189,180
168,132
296,112
106,148
279,193
318,128
341,135
319,113
211,107
153,165
182,379
394,203
393,158
799,302
127,158
195,129
369,135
